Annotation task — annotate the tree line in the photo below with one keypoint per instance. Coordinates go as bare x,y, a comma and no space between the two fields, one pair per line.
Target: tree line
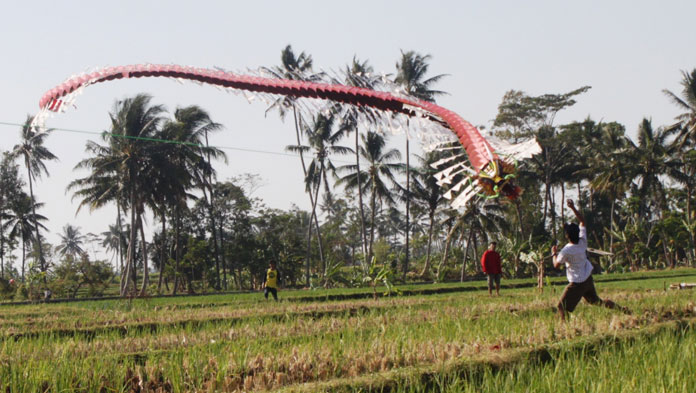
382,217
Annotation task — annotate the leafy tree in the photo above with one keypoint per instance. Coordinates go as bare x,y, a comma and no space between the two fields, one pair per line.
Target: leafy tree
521,116
73,274
10,190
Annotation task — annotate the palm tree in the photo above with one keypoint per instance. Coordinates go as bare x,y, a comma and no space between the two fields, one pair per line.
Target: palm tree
22,222
358,74
686,126
296,68
557,162
113,240
120,169
606,153
105,184
182,165
34,153
426,193
71,242
411,73
652,158
322,140
375,178
686,122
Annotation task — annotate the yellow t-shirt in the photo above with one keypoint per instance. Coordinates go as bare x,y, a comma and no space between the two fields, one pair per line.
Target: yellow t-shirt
272,278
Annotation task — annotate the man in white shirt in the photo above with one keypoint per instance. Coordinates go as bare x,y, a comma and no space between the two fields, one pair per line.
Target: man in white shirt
578,267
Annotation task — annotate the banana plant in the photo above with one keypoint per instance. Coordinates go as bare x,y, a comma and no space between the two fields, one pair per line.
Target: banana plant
383,274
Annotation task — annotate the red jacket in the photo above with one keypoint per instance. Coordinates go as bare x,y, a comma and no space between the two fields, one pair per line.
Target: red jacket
490,261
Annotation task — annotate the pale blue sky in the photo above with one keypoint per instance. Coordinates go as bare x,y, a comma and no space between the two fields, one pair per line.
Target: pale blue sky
628,51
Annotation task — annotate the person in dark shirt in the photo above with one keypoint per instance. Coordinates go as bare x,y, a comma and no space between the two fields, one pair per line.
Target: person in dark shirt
490,262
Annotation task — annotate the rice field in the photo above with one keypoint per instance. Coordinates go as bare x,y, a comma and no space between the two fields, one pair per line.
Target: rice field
447,337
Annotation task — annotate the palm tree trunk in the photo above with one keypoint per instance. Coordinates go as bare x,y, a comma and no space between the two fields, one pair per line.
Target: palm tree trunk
314,215
373,208
552,208
212,219
42,262
146,270
689,221
213,230
546,200
430,242
130,261
177,251
363,235
448,240
120,233
562,205
163,250
426,268
476,258
611,223
408,207
309,250
2,248
311,201
223,263
24,257
518,209
466,254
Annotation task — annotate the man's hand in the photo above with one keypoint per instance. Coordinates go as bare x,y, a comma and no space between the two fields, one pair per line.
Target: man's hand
578,215
554,255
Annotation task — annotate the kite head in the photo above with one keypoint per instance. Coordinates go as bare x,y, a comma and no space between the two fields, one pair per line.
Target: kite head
497,179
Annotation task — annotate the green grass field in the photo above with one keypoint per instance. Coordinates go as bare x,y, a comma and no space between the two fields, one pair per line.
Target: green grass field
449,337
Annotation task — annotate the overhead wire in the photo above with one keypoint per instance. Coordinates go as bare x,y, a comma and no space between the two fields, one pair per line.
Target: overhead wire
147,139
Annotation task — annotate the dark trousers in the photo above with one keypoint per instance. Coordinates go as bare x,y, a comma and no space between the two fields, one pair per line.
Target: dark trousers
273,292
576,291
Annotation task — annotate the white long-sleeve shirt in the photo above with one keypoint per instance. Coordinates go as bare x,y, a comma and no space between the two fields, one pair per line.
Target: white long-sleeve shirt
578,267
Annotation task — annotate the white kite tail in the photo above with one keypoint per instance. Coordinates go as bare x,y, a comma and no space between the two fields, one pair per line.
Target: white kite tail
455,168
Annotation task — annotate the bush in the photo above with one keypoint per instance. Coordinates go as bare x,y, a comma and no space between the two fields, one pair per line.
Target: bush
6,290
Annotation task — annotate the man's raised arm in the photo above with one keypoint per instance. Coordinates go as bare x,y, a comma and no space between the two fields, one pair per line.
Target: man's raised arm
578,215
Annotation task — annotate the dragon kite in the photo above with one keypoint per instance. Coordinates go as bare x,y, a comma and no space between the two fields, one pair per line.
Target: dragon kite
491,169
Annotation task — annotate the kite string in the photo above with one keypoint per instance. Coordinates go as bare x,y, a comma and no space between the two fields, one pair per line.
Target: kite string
146,139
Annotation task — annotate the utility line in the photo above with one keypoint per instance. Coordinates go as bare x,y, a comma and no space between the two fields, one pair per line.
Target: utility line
145,139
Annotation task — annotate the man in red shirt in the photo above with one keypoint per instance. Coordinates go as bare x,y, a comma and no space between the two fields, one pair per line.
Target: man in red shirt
490,261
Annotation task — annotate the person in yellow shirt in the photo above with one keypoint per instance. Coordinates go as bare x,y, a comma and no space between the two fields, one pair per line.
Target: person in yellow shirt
270,282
